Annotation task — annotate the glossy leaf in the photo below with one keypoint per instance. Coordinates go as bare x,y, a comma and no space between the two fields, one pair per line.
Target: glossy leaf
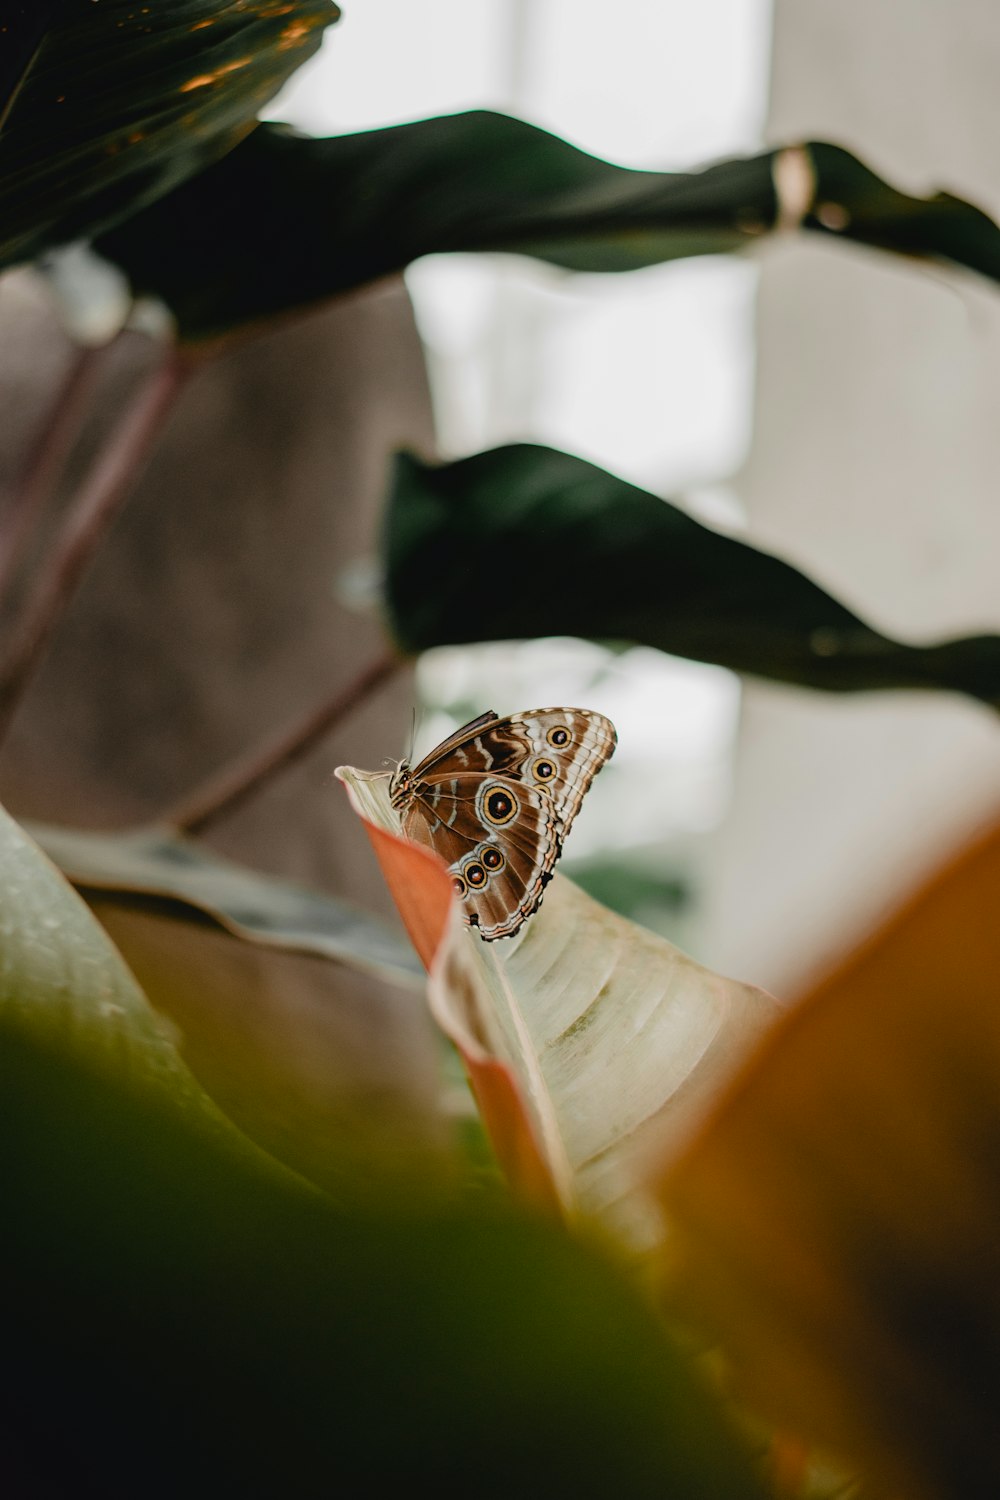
591,1043
259,908
582,552
836,1226
123,101
64,986
286,220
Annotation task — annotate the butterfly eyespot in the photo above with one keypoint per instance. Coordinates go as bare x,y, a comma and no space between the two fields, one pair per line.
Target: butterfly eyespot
493,791
499,806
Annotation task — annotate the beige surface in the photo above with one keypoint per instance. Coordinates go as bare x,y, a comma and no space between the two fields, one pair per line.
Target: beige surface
874,466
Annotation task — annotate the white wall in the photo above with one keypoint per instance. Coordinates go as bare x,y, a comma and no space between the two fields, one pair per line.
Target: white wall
875,465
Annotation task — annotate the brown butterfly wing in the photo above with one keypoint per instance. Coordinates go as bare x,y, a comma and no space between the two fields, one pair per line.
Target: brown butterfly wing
574,742
495,801
575,760
499,839
465,740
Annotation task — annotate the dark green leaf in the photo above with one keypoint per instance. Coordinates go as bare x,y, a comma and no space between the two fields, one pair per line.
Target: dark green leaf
126,99
159,863
23,24
526,541
850,201
178,1323
286,220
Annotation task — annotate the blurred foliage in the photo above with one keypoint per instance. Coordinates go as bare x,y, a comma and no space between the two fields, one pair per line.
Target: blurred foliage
245,1330
176,1322
117,103
837,1225
584,553
64,984
658,899
159,864
328,214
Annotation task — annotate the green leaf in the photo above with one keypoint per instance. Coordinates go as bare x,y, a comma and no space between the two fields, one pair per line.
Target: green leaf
125,100
564,548
24,23
65,987
852,202
177,1323
250,1337
320,1063
160,864
286,220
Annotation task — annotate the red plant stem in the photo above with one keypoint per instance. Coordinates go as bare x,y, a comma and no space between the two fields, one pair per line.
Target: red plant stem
49,451
92,511
241,779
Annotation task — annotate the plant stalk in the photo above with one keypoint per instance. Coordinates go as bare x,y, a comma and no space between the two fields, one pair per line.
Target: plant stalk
222,794
49,451
93,509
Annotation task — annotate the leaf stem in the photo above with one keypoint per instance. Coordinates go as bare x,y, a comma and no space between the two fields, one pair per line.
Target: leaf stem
45,458
243,778
94,507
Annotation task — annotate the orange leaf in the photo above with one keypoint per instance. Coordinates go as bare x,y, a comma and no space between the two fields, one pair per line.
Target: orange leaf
836,1225
422,891
420,888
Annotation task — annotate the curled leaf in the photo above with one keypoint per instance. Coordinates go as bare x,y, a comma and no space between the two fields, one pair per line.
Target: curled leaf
592,1045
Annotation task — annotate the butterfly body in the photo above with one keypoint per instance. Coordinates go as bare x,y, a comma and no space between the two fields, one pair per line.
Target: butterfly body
496,799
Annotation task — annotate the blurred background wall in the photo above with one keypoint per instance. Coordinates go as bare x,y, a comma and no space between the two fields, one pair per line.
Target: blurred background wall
873,465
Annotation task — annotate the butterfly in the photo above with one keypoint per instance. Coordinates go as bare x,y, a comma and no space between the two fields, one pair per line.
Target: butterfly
495,800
